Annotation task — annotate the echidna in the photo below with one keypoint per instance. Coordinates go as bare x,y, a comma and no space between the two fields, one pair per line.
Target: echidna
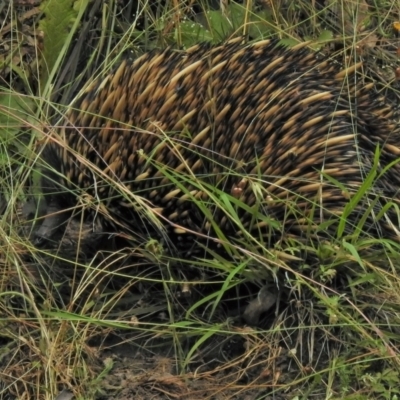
274,133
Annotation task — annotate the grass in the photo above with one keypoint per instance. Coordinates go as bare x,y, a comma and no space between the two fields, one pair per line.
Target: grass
333,334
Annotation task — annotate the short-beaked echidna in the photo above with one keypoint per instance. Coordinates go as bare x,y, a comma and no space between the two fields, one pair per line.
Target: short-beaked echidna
283,134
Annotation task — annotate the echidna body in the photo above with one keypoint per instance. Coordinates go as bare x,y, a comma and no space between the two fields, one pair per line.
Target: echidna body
264,124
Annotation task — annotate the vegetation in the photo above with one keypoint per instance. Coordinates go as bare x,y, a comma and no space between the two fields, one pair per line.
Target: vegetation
135,321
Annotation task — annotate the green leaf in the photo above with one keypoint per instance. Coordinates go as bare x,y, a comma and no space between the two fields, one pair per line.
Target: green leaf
192,33
61,19
325,36
16,111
